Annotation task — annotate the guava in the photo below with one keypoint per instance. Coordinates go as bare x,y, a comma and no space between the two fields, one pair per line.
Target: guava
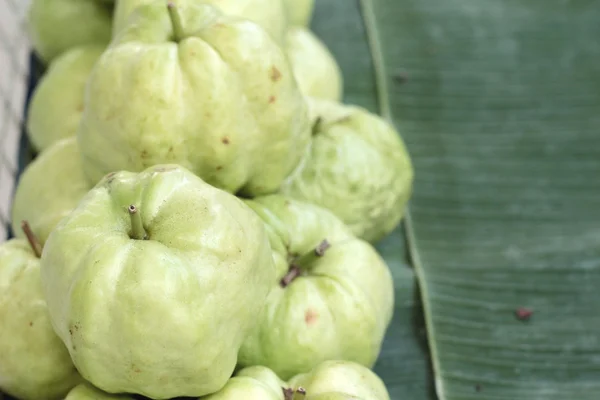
50,188
56,105
330,380
358,167
34,363
188,85
87,391
269,14
333,296
55,26
154,281
299,11
340,380
315,68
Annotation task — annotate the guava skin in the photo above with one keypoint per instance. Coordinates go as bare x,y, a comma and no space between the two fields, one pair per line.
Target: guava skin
221,101
56,106
252,383
86,391
163,316
35,365
49,189
269,14
299,12
330,380
340,380
55,26
354,155
338,308
315,68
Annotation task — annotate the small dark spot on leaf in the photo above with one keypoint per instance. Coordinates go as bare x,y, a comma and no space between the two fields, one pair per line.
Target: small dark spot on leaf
478,388
272,99
225,140
523,314
400,78
275,74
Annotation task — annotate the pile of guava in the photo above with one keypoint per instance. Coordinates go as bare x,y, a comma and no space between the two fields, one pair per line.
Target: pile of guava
200,216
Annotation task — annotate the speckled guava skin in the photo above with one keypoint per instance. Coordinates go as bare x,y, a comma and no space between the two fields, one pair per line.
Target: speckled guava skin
299,11
315,68
330,380
55,26
357,167
86,391
339,307
34,363
50,188
57,103
220,101
269,14
157,301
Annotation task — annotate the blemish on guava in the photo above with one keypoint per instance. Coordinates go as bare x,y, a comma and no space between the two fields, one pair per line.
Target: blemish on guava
275,74
225,140
310,317
30,323
272,99
144,154
219,167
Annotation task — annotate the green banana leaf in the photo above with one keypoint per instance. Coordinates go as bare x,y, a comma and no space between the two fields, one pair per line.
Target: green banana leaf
499,103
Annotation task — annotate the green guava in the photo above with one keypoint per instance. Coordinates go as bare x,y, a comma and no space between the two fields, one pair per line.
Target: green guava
34,363
188,85
50,188
154,281
86,391
315,68
56,105
269,14
330,380
333,296
358,167
55,26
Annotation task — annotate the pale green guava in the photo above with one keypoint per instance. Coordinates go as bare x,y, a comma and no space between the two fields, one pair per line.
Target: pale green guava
341,380
188,85
55,26
154,281
330,380
269,14
252,383
50,188
315,68
86,391
358,167
56,105
34,363
333,296
299,11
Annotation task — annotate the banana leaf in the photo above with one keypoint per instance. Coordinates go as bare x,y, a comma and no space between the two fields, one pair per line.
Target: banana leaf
499,103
